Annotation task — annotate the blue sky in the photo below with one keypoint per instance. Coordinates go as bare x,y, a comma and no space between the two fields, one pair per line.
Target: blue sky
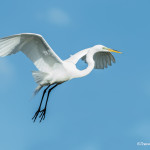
108,109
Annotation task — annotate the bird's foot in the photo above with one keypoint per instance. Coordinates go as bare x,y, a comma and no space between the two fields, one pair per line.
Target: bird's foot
36,114
42,115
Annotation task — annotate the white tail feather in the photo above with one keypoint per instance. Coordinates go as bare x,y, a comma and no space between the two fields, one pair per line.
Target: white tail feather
39,79
39,76
37,89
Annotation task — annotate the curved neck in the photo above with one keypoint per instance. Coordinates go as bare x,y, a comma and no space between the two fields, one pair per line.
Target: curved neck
75,58
90,62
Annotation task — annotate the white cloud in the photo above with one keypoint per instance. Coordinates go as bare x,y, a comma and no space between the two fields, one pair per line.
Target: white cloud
59,17
55,16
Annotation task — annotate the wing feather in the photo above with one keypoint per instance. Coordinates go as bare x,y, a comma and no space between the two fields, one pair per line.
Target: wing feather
105,60
33,46
102,59
7,46
112,58
109,59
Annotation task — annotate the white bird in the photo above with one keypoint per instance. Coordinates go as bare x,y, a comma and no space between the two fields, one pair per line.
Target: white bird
52,70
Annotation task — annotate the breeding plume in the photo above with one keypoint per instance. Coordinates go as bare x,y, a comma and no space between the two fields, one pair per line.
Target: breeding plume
52,71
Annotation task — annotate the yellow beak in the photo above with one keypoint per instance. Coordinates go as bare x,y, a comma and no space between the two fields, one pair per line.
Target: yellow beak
111,50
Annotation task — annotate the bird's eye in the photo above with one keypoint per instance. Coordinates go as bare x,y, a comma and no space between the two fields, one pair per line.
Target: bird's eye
105,48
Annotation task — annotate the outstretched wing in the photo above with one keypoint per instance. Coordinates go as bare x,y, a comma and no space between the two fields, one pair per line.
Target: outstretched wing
102,59
33,46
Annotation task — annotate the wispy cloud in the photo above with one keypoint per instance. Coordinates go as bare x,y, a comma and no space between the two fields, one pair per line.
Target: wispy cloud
56,16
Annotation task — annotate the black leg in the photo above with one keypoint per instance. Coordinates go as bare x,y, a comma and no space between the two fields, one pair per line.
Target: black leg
43,112
39,109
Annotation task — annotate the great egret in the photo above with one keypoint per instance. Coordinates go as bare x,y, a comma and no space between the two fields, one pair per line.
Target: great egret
52,70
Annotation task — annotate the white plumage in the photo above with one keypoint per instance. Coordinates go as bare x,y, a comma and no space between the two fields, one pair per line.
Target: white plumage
53,70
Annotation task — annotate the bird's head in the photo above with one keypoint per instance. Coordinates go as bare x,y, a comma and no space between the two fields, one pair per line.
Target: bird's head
105,49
